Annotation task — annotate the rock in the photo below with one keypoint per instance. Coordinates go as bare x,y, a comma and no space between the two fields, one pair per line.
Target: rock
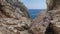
24,32
40,24
3,30
13,26
13,9
48,22
14,17
56,21
55,17
50,4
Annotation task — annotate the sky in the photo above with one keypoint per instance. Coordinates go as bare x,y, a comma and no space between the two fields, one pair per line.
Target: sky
34,4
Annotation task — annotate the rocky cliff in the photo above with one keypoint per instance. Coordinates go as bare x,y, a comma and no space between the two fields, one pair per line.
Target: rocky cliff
13,8
55,17
48,22
14,17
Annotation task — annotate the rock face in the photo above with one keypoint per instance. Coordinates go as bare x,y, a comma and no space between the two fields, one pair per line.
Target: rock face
14,17
48,22
14,26
40,24
55,17
50,4
13,8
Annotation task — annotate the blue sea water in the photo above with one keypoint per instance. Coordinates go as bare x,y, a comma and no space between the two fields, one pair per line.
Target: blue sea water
34,12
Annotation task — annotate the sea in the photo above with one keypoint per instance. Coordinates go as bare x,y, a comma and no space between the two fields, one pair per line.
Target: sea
34,12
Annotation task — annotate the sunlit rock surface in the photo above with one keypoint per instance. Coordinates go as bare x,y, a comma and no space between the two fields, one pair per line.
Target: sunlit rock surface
40,24
14,26
14,17
48,22
55,17
13,8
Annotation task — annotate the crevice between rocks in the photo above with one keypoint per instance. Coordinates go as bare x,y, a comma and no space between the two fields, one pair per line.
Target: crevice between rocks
49,29
1,7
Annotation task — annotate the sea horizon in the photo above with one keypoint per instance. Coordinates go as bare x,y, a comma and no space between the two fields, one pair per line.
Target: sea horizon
34,12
